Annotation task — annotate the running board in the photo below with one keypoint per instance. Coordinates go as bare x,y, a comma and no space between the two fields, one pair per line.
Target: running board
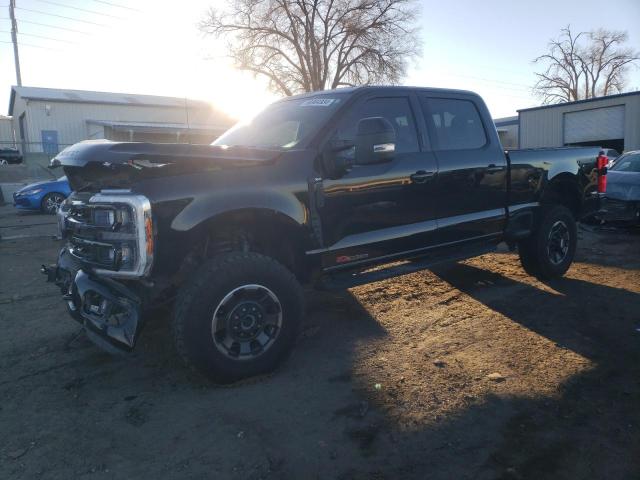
348,279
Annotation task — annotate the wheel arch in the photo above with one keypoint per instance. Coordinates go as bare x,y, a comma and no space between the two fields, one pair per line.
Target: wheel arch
563,189
262,230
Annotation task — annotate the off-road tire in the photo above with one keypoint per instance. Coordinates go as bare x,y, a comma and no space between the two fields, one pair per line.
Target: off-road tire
533,251
199,299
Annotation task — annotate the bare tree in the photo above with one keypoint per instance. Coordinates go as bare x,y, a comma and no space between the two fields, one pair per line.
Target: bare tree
575,70
309,45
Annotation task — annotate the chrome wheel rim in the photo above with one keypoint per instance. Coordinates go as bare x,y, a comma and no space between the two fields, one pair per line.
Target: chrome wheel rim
246,322
558,242
3,162
53,202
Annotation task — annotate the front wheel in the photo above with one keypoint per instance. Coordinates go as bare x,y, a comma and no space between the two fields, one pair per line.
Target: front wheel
238,317
51,202
550,249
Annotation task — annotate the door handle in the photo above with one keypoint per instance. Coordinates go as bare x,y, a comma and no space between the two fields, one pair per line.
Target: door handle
492,168
421,176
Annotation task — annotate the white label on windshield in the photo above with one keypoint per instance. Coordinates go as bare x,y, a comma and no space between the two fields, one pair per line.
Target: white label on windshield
318,102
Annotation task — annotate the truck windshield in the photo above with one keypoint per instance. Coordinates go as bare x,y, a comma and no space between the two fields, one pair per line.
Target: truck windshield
285,124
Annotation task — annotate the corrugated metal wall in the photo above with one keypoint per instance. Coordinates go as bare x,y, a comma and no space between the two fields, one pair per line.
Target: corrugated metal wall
544,127
508,136
6,132
70,119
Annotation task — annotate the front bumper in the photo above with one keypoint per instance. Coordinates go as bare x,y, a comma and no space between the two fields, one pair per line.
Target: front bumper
109,311
620,211
27,202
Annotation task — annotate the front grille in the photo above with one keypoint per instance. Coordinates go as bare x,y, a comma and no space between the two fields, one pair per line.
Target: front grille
107,232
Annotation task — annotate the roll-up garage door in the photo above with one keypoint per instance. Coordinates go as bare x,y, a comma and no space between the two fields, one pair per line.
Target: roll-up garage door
596,124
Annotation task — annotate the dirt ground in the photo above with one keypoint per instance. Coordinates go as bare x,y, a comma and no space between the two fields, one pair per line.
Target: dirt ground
473,371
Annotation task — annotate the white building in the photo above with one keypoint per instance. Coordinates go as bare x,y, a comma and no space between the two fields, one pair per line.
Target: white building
6,132
45,120
507,128
612,122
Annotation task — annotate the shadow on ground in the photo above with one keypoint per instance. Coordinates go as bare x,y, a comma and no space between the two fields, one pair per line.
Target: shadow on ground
376,389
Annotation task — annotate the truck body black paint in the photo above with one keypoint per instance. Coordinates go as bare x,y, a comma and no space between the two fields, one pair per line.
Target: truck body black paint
366,176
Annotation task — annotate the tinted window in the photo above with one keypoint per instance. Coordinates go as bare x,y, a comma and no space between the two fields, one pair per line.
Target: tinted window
627,163
395,109
456,123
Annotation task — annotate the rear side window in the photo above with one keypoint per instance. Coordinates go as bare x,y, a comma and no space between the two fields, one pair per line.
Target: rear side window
395,109
455,123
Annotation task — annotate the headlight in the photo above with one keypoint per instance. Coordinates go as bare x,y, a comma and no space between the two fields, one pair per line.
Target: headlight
126,233
33,191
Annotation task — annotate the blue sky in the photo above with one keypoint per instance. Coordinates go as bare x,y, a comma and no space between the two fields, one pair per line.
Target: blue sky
153,47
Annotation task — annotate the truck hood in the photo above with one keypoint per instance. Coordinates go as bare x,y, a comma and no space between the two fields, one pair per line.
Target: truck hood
97,164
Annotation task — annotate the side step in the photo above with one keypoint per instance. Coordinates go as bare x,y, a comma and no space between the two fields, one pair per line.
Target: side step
352,278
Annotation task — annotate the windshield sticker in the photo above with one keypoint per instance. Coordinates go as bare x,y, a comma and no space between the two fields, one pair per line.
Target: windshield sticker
318,102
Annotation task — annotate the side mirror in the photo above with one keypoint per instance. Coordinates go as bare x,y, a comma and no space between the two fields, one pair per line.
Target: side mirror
375,141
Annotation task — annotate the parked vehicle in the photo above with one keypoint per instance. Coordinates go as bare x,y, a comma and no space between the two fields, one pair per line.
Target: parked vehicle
44,196
622,201
9,155
316,190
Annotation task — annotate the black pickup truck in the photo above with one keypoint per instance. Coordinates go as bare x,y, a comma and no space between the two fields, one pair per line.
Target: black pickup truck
317,190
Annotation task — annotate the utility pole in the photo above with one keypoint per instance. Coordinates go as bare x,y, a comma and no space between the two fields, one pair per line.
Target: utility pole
14,39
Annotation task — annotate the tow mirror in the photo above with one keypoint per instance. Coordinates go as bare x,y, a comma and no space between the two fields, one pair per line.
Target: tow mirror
375,141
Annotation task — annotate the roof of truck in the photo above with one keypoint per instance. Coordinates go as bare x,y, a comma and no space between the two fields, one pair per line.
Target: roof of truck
390,88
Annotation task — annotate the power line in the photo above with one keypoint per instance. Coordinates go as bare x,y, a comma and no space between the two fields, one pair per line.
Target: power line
62,16
41,36
117,5
515,86
94,12
54,26
33,46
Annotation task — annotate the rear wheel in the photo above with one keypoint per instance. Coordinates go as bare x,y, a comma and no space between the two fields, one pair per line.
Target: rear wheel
3,161
238,317
549,251
51,202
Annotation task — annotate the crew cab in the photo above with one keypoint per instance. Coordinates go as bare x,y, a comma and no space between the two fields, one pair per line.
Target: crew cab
316,190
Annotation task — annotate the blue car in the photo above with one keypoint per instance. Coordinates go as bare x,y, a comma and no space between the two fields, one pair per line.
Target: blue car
43,196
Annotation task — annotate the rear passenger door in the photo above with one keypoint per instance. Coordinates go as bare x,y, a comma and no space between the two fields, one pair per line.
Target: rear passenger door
471,186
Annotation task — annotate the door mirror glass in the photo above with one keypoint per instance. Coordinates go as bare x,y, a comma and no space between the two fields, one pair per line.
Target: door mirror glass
375,141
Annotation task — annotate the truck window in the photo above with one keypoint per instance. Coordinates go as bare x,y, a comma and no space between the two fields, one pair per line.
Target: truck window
455,123
395,109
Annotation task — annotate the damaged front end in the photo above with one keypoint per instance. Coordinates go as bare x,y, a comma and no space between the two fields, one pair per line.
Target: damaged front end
109,249
110,312
104,270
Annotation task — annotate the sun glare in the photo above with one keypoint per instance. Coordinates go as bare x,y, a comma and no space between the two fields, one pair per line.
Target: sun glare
237,94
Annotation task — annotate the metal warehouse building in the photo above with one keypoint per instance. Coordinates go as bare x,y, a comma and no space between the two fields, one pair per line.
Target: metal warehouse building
45,120
507,128
612,121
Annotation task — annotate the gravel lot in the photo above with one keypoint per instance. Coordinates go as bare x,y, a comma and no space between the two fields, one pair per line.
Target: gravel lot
471,371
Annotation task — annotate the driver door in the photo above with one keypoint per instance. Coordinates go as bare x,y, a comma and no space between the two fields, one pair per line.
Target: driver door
380,210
